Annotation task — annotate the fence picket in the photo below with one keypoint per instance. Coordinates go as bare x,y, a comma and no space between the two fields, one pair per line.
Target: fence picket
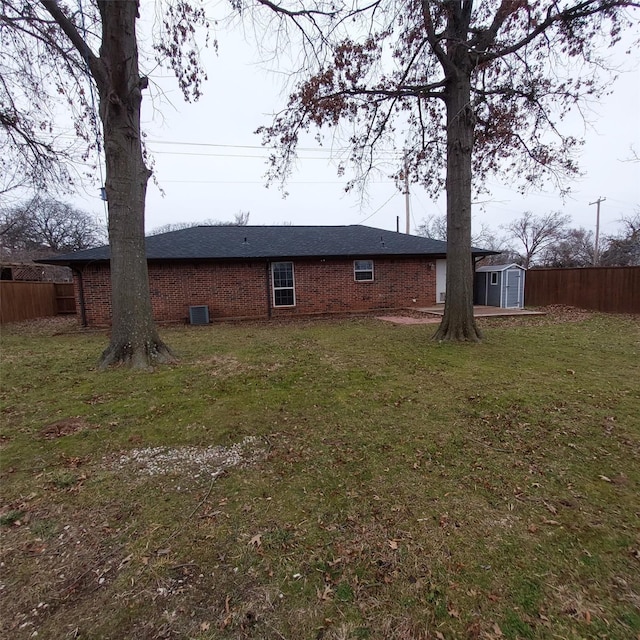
26,300
608,289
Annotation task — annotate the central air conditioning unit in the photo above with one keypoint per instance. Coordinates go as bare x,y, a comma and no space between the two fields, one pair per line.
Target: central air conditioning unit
199,314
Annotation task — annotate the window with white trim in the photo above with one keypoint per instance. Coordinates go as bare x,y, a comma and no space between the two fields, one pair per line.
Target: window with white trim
363,270
494,277
283,284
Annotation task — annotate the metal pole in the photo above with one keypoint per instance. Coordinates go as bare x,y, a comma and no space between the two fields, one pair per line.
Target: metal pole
596,256
407,205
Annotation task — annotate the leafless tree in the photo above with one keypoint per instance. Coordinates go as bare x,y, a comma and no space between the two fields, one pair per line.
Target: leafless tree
467,88
58,54
505,253
40,227
536,233
572,248
433,226
485,238
241,219
623,249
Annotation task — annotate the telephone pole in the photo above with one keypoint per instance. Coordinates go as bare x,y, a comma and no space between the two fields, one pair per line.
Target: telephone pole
407,198
596,256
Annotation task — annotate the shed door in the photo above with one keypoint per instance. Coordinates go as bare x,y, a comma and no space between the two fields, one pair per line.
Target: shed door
513,288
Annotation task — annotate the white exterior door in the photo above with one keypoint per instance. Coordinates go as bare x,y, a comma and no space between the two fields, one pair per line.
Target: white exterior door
441,280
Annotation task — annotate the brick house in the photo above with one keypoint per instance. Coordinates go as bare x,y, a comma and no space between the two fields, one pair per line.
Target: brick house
261,272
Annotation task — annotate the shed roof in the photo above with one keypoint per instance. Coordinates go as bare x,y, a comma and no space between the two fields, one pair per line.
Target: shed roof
500,267
273,242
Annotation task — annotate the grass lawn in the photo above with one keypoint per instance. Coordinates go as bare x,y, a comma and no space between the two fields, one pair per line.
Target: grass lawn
324,480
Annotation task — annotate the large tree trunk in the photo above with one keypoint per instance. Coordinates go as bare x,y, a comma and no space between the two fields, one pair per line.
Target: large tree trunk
134,338
458,323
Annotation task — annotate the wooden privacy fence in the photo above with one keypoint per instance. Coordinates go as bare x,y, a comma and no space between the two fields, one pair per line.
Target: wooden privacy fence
26,300
608,289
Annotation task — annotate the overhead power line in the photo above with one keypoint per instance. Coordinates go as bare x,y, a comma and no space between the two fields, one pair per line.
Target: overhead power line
326,150
393,195
230,155
261,182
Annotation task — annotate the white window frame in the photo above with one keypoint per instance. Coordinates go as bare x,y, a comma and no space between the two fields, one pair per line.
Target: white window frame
493,280
274,288
357,270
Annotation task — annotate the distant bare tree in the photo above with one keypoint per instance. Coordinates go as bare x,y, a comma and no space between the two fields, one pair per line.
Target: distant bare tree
505,253
241,219
574,248
535,233
623,250
41,226
173,226
435,226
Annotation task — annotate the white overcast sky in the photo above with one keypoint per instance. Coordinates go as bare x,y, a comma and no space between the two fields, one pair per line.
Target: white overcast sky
210,164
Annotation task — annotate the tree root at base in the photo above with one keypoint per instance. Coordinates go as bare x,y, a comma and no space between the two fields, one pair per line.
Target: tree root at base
457,332
142,356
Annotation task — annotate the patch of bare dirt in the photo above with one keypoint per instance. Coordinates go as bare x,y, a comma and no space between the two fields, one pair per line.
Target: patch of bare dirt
225,365
62,556
65,427
50,326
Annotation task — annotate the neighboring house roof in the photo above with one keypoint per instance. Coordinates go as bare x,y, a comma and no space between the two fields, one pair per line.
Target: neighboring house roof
273,242
500,267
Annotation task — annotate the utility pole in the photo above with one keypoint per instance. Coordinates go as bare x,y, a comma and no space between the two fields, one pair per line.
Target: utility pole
596,256
407,204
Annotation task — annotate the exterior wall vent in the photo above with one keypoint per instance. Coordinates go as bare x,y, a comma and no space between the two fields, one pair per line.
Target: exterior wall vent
199,315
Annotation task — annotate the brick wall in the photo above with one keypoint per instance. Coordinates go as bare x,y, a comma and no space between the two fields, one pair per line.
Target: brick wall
96,290
243,289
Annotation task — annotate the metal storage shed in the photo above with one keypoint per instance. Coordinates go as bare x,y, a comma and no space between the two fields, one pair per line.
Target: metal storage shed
500,285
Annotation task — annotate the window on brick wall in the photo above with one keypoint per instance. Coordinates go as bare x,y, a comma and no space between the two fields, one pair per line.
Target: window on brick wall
283,284
363,270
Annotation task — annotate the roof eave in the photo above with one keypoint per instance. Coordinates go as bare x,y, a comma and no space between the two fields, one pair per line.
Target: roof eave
81,262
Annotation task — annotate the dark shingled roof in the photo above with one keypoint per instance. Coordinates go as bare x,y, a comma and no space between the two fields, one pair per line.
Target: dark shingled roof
277,242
